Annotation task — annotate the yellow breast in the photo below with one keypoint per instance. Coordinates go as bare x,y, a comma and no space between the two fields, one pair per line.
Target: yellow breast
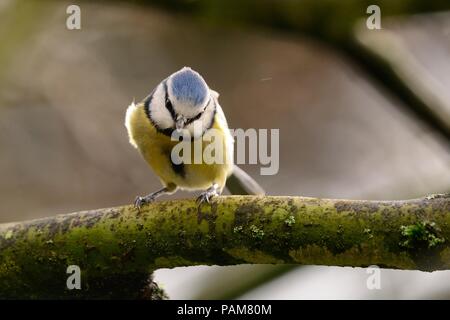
156,148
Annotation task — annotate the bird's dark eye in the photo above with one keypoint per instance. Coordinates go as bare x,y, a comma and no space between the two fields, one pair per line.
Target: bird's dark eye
170,108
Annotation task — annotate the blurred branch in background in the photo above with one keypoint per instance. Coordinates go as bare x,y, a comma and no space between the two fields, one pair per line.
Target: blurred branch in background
336,23
385,56
234,284
116,243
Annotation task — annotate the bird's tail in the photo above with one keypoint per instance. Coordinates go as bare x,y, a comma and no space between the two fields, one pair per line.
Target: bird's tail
241,183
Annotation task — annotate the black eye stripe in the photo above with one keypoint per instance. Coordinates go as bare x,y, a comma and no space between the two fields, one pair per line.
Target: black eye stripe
190,120
168,103
170,108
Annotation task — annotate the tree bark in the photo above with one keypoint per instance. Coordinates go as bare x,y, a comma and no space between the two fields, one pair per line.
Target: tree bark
115,247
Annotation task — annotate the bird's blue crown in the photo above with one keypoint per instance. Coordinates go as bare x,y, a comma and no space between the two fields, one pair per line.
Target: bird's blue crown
188,85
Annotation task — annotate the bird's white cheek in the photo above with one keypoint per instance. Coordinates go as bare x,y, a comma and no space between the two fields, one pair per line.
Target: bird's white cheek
161,116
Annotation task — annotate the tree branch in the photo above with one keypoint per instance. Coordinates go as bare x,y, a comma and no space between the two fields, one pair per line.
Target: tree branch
121,242
334,22
400,73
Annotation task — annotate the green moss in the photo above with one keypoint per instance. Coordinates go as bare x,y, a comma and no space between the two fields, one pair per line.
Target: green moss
8,234
289,221
256,232
368,232
362,255
252,256
421,234
172,261
121,244
237,229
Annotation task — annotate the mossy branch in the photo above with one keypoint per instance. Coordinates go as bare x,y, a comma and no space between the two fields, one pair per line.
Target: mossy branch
122,243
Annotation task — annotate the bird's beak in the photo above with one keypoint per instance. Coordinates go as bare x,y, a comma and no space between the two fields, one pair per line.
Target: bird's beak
179,124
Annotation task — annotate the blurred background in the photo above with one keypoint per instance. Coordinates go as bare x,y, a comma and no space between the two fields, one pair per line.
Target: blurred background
363,114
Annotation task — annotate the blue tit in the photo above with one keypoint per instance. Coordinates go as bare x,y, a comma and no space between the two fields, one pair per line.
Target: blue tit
181,102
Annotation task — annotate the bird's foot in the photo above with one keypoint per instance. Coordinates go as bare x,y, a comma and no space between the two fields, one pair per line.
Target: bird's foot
207,195
140,201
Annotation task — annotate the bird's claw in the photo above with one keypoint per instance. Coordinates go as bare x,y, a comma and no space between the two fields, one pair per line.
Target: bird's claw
140,201
204,197
207,196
